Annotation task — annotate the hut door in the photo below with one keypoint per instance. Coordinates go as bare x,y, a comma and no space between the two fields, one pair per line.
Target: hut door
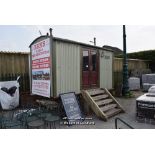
93,68
90,69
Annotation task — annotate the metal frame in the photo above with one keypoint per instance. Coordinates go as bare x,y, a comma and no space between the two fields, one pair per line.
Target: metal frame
116,123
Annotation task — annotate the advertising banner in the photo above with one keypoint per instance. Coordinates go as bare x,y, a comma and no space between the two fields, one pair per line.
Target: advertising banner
41,68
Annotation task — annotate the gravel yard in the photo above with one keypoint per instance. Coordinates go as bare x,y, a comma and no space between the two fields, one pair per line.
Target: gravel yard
93,122
129,116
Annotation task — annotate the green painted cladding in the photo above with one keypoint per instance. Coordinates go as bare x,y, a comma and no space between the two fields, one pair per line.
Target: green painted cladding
106,69
67,67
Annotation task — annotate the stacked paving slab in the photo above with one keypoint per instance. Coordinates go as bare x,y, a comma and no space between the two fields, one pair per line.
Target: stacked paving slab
134,83
148,80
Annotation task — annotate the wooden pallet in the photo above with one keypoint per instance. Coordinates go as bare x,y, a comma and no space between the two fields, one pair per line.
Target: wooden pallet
102,102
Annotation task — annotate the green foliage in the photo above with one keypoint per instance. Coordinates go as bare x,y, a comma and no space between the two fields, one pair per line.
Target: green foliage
144,55
129,95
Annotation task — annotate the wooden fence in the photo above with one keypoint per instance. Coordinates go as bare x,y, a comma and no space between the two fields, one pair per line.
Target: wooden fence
12,65
134,65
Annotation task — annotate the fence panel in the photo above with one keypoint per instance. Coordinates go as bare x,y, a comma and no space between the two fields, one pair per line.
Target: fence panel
118,78
14,63
132,64
135,68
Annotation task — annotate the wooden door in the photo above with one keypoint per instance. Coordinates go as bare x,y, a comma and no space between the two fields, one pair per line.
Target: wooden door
93,68
85,68
89,68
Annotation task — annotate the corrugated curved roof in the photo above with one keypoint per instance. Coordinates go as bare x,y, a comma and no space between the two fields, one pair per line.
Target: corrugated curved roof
70,41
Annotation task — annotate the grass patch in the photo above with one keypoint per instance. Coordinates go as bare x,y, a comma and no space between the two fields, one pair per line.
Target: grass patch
129,95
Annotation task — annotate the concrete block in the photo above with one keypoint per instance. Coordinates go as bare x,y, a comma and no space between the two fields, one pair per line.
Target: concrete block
134,83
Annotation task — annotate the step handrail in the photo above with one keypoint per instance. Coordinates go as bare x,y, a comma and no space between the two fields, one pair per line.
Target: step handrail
116,123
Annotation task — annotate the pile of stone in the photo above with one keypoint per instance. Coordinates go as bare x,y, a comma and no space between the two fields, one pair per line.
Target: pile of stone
146,86
148,80
134,83
152,90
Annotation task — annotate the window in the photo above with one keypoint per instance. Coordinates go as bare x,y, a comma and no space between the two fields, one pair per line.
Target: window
94,60
85,61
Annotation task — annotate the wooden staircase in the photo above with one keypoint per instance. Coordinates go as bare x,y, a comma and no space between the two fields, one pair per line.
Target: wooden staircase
102,102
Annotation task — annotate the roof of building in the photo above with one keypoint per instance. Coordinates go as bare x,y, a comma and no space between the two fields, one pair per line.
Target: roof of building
73,42
105,47
43,36
116,50
13,52
80,43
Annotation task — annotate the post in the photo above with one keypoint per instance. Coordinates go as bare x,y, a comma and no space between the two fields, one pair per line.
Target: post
94,41
50,32
51,62
125,88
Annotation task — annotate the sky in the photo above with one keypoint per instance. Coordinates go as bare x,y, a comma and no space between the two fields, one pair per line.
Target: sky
19,37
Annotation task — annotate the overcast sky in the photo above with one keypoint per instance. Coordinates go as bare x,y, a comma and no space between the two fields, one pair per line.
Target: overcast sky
18,38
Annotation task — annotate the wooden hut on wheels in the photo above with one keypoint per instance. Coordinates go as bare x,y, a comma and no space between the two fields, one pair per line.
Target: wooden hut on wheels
60,65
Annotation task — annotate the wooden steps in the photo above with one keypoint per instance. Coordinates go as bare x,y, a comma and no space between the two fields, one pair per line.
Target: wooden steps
95,92
108,107
113,112
100,97
102,103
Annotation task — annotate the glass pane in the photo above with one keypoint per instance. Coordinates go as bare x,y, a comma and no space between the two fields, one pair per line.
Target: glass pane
85,61
94,60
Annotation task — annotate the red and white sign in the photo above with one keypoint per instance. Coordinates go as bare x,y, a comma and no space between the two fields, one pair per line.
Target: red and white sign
41,68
